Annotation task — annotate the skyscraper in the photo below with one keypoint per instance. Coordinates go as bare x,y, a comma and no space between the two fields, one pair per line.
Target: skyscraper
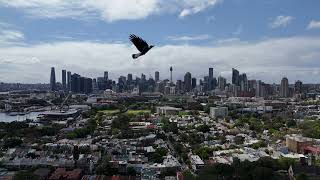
252,84
53,80
187,82
106,75
69,80
81,84
210,80
129,79
143,77
259,89
171,74
75,83
284,87
243,82
298,87
194,83
235,77
179,86
94,84
64,79
211,73
157,76
122,80
222,83
88,85
205,83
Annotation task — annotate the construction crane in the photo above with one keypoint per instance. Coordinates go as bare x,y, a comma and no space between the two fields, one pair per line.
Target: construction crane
65,100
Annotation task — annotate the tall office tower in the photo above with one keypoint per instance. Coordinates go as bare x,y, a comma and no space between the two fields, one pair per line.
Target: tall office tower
94,84
210,81
222,83
102,85
214,83
129,79
179,86
252,84
75,83
64,80
82,84
235,77
194,83
211,73
122,80
205,83
137,80
143,77
268,90
171,74
53,80
243,82
157,76
106,75
69,81
298,87
88,86
187,82
284,87
206,79
121,83
259,89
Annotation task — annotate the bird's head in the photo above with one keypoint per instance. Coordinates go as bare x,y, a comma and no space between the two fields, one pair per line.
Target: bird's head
151,46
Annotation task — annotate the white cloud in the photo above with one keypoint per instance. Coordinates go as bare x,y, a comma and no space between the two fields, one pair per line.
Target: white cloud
108,10
9,35
189,38
314,25
269,60
281,21
196,6
230,41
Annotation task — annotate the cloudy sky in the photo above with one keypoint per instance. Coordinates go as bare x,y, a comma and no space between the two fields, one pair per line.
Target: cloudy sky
266,39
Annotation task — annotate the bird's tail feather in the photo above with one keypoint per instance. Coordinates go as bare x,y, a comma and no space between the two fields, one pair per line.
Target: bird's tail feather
135,56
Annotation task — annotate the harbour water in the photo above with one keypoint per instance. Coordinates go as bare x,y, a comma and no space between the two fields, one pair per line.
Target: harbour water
4,117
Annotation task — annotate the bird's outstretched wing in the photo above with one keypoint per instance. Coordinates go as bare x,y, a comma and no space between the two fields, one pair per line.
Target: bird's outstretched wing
140,44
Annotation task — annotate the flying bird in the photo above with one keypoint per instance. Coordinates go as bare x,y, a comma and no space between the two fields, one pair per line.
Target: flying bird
141,45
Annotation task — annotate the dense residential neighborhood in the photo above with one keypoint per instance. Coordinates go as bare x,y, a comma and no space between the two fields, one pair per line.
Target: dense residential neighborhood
155,135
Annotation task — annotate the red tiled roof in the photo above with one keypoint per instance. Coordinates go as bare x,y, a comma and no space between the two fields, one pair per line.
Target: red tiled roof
74,174
69,175
57,174
6,178
312,149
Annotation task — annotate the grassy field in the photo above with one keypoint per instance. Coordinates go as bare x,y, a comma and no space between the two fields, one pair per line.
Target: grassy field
136,112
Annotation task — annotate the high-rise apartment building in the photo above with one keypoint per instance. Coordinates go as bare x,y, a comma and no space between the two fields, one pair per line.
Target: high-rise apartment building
284,87
69,81
187,82
53,80
157,76
64,79
235,77
194,83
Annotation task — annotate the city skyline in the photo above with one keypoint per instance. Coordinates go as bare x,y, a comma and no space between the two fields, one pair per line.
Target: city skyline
279,40
159,89
157,76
